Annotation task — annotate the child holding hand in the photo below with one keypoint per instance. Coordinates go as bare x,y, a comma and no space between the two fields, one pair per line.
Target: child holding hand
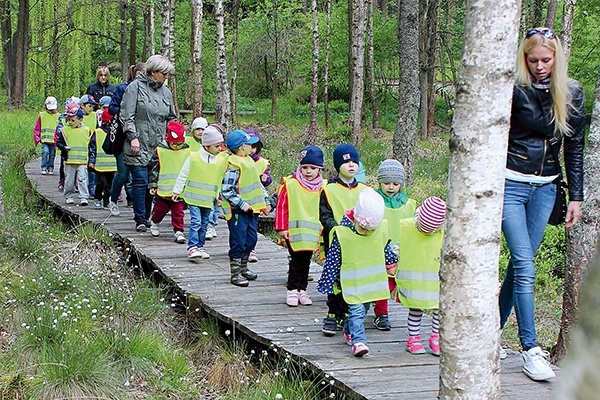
297,221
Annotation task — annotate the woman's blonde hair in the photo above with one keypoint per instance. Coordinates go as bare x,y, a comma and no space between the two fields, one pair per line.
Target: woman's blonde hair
102,70
559,79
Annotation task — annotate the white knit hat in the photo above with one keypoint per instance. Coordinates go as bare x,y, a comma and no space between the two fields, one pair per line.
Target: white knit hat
199,123
369,209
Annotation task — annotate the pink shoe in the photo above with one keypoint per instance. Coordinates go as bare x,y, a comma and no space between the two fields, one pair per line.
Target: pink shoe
434,344
252,257
348,338
292,298
414,345
359,349
303,298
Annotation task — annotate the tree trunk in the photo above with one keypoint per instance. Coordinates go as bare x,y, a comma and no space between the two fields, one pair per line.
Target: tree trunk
422,125
326,67
149,31
582,238
431,56
197,55
234,60
123,42
168,43
133,35
469,364
275,85
15,49
223,101
314,71
371,67
405,136
566,33
359,25
551,14
165,14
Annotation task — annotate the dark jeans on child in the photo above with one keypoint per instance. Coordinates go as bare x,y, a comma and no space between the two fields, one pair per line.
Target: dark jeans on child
103,185
243,233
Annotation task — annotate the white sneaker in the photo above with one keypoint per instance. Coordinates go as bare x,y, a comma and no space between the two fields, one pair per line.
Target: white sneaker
154,230
203,254
209,234
178,237
213,230
503,353
114,209
44,171
535,365
70,200
83,202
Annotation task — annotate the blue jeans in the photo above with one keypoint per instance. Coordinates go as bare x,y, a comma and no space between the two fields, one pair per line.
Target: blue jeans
198,224
525,215
242,233
355,323
213,218
48,154
120,179
142,200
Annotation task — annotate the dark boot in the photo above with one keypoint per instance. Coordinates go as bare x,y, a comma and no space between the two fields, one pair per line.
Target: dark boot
246,272
236,277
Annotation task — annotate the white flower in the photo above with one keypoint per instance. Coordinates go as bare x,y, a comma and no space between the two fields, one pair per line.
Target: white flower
278,396
227,332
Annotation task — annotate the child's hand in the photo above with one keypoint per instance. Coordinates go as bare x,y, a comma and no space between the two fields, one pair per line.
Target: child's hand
246,207
175,197
284,235
152,191
91,165
219,202
263,177
391,270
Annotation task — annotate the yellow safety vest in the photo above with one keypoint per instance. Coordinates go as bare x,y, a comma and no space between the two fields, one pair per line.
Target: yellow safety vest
261,165
417,275
193,143
48,126
304,227
362,274
204,180
342,198
249,186
104,162
394,215
78,139
169,164
91,121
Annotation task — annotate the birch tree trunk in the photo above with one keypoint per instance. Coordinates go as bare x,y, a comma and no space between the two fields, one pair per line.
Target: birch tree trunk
430,57
123,40
314,71
326,67
357,55
223,101
165,36
275,85
405,136
371,66
551,14
197,55
149,31
234,60
582,238
566,33
133,34
469,363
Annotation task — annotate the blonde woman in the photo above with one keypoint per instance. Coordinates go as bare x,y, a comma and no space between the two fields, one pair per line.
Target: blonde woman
547,112
102,86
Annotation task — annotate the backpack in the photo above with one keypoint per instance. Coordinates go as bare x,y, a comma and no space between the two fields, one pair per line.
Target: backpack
113,144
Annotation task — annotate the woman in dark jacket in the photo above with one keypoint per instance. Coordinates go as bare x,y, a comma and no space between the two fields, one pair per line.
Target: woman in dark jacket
102,86
547,111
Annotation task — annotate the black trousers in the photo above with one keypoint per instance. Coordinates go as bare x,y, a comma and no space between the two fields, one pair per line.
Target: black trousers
298,268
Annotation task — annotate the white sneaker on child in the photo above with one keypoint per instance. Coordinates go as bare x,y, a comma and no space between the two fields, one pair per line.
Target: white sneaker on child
114,209
535,365
209,235
154,229
178,237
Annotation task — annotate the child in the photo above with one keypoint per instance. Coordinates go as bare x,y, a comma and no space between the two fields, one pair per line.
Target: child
166,163
43,132
421,240
88,104
200,180
390,177
195,140
103,104
297,221
264,169
338,196
105,165
78,152
69,103
357,260
213,218
243,199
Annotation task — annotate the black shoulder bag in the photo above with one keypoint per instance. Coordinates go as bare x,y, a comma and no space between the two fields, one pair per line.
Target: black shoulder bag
559,212
113,143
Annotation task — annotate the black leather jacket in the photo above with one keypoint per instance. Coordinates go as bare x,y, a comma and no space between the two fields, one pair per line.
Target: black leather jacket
531,133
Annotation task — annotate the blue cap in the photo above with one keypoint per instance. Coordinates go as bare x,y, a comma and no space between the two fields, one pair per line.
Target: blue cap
236,139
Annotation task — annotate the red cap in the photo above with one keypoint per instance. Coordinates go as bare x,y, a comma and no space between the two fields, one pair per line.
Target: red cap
175,132
106,117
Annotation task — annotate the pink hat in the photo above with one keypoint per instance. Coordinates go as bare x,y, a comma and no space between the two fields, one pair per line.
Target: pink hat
431,215
211,135
369,209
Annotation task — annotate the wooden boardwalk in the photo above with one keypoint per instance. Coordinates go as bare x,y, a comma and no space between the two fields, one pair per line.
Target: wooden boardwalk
259,311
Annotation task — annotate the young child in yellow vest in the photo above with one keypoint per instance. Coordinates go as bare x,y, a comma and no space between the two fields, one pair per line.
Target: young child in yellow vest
199,182
421,240
194,141
166,163
88,104
297,221
78,150
43,132
263,166
338,196
105,165
244,198
357,258
390,176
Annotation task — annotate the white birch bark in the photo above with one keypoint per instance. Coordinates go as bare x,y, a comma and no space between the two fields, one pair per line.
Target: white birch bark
223,103
165,36
326,66
357,56
197,55
152,23
469,364
566,33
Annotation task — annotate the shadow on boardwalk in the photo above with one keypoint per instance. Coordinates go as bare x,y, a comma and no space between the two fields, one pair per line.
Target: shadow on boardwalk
260,313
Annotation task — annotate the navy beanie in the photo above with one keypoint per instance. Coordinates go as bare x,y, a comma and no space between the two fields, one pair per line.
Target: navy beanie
312,155
343,153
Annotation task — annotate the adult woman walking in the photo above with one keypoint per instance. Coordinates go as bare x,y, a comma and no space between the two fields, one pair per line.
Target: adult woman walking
547,111
146,108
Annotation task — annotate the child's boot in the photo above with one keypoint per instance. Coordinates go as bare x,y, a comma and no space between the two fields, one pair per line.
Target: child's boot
246,272
236,277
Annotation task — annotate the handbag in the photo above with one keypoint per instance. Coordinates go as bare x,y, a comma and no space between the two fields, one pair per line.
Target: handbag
559,211
113,143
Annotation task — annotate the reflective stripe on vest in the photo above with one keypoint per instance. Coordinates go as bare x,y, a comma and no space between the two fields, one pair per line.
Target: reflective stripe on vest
204,180
78,139
261,165
394,215
193,143
417,275
48,127
250,188
303,224
104,162
169,163
362,275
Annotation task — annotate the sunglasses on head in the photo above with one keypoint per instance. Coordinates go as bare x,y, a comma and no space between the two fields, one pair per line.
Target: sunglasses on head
546,32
